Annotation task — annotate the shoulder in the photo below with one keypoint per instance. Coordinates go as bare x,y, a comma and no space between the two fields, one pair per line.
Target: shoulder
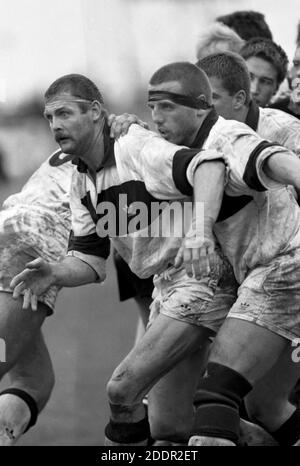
278,116
230,132
280,126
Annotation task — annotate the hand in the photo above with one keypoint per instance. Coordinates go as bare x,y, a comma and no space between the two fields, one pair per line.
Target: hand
119,125
33,281
199,256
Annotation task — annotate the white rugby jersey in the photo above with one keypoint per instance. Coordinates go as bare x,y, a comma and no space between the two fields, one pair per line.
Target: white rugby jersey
148,168
259,218
42,209
275,125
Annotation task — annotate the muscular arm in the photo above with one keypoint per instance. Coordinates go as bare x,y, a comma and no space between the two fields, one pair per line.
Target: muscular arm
198,250
40,275
209,188
73,272
283,167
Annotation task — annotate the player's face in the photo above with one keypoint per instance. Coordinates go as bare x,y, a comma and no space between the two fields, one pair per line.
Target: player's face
176,123
222,101
71,128
263,77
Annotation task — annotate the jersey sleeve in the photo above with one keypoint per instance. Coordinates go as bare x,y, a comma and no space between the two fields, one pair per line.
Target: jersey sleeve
245,156
84,242
281,127
167,169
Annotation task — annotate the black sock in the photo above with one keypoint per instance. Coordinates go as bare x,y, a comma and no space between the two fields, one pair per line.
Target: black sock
218,402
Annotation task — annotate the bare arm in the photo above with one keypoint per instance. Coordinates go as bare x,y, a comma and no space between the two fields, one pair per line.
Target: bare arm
198,250
283,167
39,275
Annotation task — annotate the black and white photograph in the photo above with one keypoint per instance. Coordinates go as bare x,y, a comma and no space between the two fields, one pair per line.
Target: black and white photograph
150,226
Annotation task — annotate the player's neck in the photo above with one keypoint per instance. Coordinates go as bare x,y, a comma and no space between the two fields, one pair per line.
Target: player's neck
241,114
94,153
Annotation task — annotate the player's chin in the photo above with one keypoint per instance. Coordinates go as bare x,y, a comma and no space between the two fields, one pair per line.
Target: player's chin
66,146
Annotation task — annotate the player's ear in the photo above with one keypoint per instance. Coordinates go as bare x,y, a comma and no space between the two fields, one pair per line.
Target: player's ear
97,110
239,99
206,106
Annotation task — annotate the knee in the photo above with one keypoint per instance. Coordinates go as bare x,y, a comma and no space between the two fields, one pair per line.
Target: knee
119,390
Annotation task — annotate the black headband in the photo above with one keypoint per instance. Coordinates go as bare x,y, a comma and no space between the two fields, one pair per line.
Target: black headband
186,100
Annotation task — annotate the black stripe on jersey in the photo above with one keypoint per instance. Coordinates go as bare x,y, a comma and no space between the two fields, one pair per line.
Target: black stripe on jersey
231,205
180,166
181,161
250,174
87,202
135,192
56,160
90,244
205,129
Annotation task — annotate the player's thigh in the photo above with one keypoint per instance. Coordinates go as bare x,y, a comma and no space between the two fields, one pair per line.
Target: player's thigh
277,384
164,344
247,348
170,401
17,327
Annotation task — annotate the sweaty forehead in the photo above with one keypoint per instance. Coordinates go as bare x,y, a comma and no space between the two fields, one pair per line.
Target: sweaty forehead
64,99
61,96
169,86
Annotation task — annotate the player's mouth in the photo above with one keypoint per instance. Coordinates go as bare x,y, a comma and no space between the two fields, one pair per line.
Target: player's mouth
61,139
257,101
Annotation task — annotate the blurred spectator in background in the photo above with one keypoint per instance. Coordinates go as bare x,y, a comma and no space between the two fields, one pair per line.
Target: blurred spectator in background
267,64
218,38
289,101
247,24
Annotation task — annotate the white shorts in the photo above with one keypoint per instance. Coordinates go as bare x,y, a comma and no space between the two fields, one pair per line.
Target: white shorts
204,302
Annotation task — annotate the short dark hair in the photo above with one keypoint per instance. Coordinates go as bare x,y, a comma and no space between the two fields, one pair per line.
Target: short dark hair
78,86
247,24
231,69
193,81
269,51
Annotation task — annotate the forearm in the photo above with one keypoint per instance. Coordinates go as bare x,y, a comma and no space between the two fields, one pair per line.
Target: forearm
283,168
72,272
209,179
198,251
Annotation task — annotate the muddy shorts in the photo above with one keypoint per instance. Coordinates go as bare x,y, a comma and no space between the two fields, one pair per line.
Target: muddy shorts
270,296
204,302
